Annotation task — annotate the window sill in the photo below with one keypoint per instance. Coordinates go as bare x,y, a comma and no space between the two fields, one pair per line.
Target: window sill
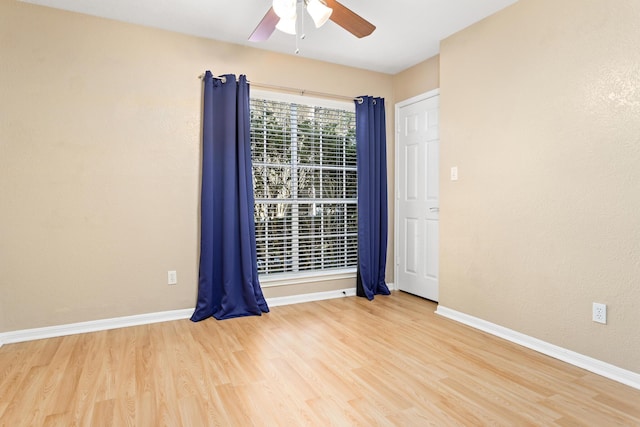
286,279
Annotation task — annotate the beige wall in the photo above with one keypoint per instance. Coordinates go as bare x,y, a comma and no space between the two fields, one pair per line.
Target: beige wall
416,80
540,108
100,160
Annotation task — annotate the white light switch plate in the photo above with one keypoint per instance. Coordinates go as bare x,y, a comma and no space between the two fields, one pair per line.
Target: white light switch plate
454,173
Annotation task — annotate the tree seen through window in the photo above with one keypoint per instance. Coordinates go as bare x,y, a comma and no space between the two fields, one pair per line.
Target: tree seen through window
305,183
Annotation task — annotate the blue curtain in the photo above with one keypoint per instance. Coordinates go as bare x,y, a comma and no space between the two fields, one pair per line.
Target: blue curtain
228,283
371,143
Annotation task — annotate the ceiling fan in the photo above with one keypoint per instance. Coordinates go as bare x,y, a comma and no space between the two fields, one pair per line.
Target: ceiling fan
283,15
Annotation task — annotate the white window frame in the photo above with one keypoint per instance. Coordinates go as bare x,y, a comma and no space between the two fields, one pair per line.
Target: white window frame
295,278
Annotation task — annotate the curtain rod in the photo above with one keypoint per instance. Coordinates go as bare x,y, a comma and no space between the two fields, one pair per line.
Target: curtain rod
302,92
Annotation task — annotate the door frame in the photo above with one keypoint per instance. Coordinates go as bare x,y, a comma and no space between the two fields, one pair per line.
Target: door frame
396,207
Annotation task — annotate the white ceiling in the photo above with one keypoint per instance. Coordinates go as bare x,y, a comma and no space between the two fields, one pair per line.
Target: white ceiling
408,31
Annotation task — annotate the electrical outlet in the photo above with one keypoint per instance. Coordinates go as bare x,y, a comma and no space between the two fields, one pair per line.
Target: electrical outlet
172,277
599,313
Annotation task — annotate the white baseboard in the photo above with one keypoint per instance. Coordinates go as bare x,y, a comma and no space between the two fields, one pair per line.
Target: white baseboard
143,319
604,369
315,296
93,326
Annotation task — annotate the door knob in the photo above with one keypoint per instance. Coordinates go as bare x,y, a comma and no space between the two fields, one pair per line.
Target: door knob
435,209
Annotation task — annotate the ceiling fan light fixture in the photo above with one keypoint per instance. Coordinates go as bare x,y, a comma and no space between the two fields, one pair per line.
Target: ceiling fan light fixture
287,25
319,12
285,8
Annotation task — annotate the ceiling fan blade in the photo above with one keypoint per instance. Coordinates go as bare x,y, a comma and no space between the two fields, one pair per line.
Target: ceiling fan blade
266,27
349,20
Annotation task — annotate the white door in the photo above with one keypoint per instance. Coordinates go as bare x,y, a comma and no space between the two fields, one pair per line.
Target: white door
417,208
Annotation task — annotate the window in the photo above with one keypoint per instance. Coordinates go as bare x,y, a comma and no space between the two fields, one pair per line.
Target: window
305,186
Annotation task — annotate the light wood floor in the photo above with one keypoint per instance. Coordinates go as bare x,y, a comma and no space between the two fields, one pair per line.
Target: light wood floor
337,362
